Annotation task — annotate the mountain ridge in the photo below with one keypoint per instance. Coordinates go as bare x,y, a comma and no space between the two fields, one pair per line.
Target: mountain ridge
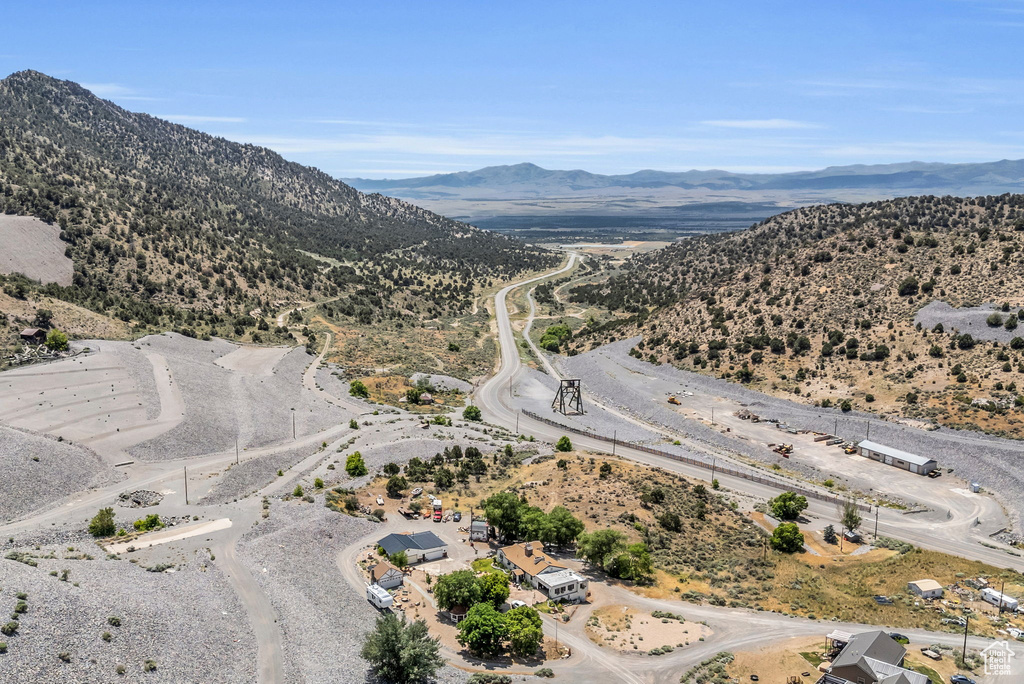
1003,176
167,225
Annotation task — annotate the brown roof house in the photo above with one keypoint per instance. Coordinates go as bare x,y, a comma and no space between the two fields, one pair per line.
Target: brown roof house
386,575
529,563
871,658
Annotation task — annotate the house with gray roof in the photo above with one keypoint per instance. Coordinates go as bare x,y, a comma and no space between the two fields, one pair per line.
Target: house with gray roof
871,658
418,547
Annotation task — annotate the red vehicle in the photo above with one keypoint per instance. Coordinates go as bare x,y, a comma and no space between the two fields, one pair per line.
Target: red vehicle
437,516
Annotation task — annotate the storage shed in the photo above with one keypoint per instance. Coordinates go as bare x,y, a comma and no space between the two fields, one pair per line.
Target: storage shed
926,588
895,457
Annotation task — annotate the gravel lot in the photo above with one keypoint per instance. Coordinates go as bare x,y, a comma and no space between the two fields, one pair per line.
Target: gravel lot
992,461
189,622
293,557
968,320
221,404
40,470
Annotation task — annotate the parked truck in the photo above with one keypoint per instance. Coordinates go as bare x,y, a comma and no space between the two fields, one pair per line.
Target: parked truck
438,510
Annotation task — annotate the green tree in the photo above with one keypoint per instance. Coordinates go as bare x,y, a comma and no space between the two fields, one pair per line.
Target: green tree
494,588
563,444
504,511
787,538
400,651
102,524
525,631
150,522
354,465
56,340
472,413
830,535
391,469
399,559
850,515
458,588
396,485
43,319
562,527
787,506
444,478
357,389
599,546
483,631
634,563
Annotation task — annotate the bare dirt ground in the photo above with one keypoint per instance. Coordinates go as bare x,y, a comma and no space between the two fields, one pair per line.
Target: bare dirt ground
33,248
628,629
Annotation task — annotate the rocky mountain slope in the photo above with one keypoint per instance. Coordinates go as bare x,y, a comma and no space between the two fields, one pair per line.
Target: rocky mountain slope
170,227
825,303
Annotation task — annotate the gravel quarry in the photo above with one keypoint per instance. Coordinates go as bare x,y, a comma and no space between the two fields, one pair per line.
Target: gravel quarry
34,248
185,621
973,320
626,382
39,471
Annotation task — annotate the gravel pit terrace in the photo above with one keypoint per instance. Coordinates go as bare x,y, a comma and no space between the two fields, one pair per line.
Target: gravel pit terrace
992,461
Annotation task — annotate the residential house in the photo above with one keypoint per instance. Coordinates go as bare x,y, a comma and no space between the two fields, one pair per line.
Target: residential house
418,547
386,575
528,563
33,335
871,658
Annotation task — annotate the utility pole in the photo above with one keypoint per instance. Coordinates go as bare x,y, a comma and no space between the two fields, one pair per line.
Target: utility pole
835,430
1001,587
236,450
876,521
869,430
517,422
293,425
186,485
712,416
510,387
713,471
615,435
967,623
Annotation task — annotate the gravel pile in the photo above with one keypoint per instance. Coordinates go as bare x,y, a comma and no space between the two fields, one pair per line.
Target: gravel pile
139,498
443,382
189,622
293,556
992,461
252,475
973,320
40,470
129,357
221,404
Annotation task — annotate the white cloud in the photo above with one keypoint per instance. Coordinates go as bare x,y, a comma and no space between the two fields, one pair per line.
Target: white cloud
115,91
760,124
198,118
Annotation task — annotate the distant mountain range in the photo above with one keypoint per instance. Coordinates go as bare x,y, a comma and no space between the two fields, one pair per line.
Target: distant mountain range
529,180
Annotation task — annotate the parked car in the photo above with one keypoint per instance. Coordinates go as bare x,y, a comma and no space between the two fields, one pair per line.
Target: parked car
437,515
517,604
380,500
961,679
457,517
899,638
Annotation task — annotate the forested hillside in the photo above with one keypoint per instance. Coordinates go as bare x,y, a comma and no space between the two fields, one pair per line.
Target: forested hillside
168,226
821,302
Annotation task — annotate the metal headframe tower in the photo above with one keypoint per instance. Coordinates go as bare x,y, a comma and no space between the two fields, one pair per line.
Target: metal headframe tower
569,398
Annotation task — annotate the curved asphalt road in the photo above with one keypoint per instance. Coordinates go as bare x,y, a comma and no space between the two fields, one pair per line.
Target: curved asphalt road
949,535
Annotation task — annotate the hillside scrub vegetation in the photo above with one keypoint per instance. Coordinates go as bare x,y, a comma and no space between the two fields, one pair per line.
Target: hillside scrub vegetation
172,228
819,304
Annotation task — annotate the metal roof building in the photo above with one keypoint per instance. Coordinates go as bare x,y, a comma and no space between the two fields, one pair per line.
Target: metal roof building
895,457
418,547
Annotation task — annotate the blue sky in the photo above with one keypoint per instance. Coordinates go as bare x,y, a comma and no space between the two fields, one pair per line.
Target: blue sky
391,89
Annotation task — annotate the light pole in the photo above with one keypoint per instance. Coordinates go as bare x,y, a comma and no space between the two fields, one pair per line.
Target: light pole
967,622
186,485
